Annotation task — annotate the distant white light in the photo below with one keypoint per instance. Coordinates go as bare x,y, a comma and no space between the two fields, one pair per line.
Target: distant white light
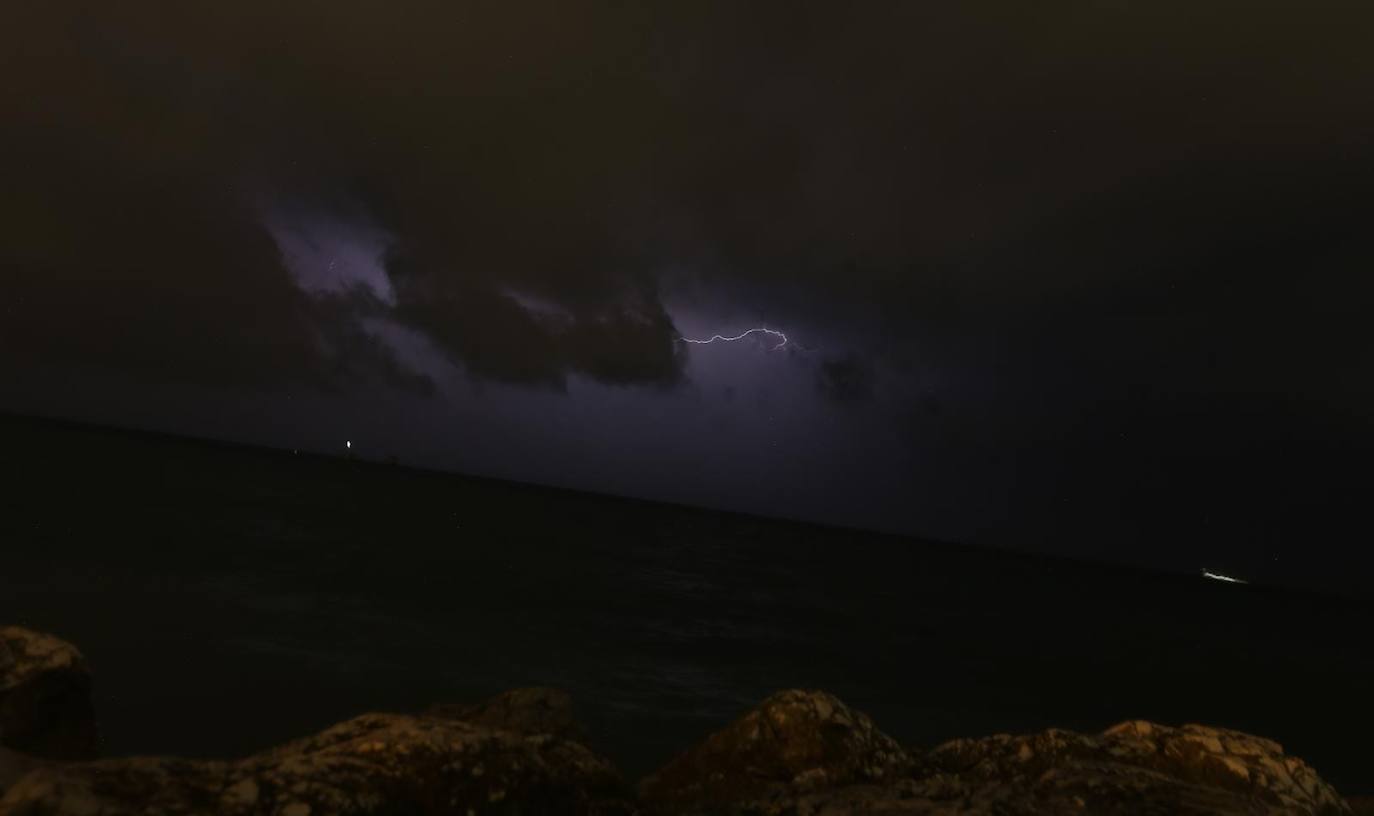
1216,576
348,444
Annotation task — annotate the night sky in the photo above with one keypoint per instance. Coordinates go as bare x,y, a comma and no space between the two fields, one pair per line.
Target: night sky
1085,278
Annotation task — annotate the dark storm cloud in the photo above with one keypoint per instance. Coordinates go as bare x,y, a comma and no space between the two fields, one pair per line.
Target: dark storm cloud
503,336
847,379
154,275
1031,256
143,139
353,353
1032,191
112,270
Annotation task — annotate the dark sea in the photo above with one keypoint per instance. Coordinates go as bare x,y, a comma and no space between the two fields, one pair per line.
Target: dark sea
230,598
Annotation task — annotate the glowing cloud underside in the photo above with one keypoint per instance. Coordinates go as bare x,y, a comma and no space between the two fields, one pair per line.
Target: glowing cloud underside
782,338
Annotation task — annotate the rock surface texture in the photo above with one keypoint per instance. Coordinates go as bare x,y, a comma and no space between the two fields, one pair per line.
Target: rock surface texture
798,753
794,741
1135,767
1132,768
45,697
373,764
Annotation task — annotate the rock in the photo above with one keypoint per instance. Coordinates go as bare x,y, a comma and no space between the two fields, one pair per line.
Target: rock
13,766
536,710
45,697
373,764
806,753
795,741
1134,767
1361,805
798,753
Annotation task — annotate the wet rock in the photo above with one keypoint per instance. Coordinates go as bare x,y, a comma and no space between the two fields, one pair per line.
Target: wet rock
45,697
793,742
373,764
536,710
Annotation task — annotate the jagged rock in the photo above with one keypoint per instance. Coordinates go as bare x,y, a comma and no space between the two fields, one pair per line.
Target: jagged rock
1133,768
794,741
45,697
806,754
373,764
799,753
1189,769
536,710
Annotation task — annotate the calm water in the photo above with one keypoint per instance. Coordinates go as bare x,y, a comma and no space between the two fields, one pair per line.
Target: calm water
231,599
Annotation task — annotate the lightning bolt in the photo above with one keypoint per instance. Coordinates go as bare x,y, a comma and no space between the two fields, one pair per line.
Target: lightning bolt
782,338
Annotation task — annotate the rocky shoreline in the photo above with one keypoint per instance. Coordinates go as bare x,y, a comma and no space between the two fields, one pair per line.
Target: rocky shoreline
522,752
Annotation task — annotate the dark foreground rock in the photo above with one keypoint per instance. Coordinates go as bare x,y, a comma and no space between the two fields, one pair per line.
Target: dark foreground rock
799,753
820,763
794,741
374,764
13,766
1137,767
45,697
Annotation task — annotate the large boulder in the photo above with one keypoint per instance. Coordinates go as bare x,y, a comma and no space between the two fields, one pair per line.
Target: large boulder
1133,768
536,710
794,741
373,764
1140,766
807,753
45,697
